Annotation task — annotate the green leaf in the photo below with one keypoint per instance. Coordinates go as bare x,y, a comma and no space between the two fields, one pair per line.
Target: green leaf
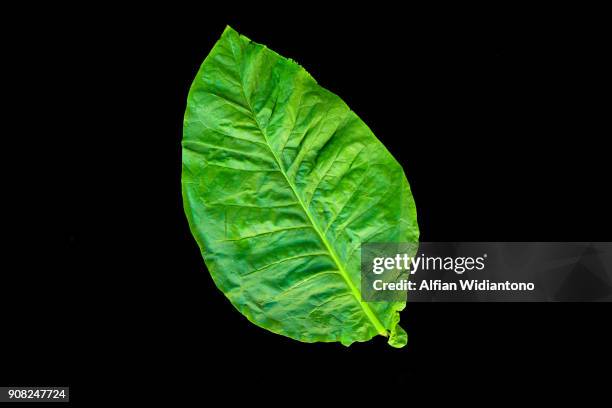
282,182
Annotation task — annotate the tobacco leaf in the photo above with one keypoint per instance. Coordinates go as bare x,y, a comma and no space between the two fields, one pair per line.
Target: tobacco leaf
281,183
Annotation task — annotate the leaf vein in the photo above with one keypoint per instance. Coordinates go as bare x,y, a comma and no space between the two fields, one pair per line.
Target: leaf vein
285,260
267,233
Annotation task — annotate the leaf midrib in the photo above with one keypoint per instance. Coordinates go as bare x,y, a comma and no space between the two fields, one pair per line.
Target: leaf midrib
380,328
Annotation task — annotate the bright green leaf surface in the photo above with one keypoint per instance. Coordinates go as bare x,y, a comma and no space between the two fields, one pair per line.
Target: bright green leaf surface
282,182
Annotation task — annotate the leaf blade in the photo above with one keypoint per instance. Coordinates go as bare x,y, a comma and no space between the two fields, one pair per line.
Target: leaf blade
317,145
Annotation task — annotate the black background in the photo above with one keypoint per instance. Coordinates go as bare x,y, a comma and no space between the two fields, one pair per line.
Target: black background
496,116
